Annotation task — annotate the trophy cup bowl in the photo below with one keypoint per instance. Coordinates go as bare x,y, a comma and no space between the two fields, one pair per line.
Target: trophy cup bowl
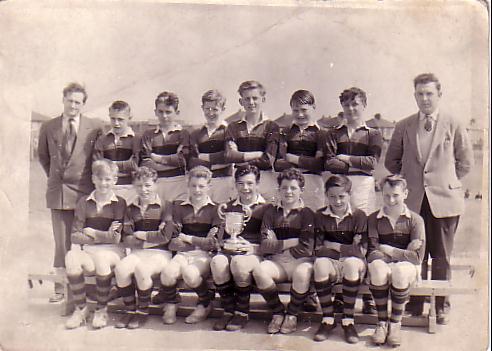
234,223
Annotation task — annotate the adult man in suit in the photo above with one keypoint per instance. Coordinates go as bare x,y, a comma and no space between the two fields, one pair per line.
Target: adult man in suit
432,151
65,153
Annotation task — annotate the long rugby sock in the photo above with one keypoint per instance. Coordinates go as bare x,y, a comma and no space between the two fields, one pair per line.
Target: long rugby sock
243,294
296,301
323,289
350,289
227,298
128,295
380,294
144,300
169,294
399,298
205,294
77,285
272,299
103,287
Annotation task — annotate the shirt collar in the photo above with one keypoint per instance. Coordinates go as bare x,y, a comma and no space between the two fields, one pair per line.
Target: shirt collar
433,115
188,202
299,206
311,124
262,119
155,201
330,213
92,196
222,124
344,124
174,128
127,132
259,200
405,212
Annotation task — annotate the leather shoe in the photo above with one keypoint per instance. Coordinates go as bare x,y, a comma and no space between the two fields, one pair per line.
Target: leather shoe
350,334
324,331
368,307
442,317
223,321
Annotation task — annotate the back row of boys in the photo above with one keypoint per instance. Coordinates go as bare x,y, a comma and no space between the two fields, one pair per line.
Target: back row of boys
284,241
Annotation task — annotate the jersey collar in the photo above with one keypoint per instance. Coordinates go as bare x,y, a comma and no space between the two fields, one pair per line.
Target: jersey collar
405,212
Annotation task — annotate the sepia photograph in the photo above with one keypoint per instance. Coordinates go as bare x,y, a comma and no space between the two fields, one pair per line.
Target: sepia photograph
244,175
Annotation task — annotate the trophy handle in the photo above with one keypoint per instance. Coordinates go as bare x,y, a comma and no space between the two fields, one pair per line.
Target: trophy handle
220,211
247,213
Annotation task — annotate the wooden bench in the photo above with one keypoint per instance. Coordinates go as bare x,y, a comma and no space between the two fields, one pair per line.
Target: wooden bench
431,288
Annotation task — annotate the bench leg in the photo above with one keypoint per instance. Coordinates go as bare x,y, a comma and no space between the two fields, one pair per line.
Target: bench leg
432,315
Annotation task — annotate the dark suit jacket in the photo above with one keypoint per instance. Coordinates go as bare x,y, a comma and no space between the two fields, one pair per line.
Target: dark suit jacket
67,182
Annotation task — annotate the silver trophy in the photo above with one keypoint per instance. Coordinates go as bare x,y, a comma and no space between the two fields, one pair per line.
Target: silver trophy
234,225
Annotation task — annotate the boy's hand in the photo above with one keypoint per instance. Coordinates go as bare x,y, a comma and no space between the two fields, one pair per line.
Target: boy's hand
213,231
154,157
271,235
344,158
414,245
357,239
386,249
140,234
184,238
332,245
89,232
115,231
292,158
204,157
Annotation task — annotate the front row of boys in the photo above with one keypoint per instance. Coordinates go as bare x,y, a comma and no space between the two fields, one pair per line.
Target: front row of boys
286,241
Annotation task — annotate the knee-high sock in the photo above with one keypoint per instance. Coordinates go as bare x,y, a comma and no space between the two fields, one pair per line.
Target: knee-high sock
350,289
103,287
296,301
380,294
243,294
169,294
227,296
323,289
128,295
205,294
77,285
399,298
272,299
144,300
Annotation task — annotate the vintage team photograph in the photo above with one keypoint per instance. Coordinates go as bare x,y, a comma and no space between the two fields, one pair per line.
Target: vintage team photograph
245,176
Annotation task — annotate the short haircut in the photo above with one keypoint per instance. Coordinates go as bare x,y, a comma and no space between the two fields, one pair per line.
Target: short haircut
426,78
349,95
214,96
338,180
249,85
167,98
75,88
247,169
104,167
302,97
394,180
144,172
291,174
119,106
200,172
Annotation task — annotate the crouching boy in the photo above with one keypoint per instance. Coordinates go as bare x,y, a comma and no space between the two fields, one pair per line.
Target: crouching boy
97,229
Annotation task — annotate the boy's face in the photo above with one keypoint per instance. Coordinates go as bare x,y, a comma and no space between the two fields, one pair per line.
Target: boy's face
302,114
104,182
290,192
354,110
166,114
394,196
198,188
247,187
252,100
212,111
119,120
338,199
73,104
145,188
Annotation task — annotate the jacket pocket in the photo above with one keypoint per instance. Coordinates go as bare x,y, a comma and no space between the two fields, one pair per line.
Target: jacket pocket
456,184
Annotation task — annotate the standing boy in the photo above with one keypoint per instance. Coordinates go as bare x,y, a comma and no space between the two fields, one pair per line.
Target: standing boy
300,147
119,145
287,233
65,152
341,244
144,232
254,139
97,229
166,148
396,249
207,147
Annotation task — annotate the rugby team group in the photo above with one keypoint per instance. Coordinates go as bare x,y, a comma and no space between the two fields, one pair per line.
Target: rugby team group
158,206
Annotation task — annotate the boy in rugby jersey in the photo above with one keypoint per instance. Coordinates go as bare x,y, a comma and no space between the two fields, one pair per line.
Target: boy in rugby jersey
144,233
232,274
254,139
341,245
166,148
287,237
396,248
194,225
97,229
301,147
207,147
119,145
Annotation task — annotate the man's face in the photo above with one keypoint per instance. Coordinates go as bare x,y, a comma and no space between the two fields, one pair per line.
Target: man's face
198,188
427,97
166,114
247,186
212,111
394,196
104,183
145,188
119,120
73,104
252,100
338,199
354,110
302,114
290,192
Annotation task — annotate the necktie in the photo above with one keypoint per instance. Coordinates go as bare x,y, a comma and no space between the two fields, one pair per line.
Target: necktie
70,137
428,123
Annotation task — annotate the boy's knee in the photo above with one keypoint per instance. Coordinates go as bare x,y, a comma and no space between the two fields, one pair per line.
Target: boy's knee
323,269
261,276
219,264
303,272
399,277
170,274
240,272
191,276
378,272
352,268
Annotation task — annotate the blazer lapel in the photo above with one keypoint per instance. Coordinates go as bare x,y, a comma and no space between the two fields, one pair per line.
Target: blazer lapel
413,137
84,129
438,135
57,131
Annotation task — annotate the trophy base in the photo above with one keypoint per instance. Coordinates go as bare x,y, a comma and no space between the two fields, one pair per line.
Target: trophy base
234,249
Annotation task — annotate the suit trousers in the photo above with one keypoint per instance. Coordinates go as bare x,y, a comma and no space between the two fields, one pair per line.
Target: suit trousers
61,221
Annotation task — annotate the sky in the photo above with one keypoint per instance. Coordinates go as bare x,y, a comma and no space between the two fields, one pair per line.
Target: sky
133,51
